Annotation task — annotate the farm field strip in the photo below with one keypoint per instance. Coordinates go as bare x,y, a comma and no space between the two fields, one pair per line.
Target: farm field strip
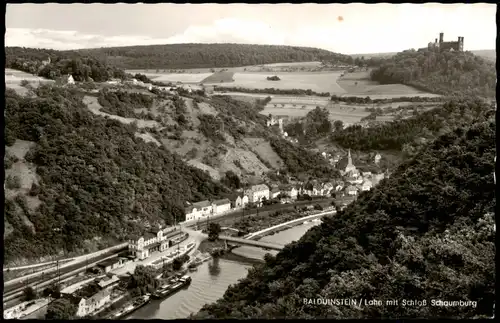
318,82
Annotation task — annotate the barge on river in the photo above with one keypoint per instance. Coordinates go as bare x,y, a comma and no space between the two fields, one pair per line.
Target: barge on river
174,285
138,303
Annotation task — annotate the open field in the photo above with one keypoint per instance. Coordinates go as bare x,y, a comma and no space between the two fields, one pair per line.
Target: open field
180,77
359,84
348,113
219,77
318,82
13,80
249,68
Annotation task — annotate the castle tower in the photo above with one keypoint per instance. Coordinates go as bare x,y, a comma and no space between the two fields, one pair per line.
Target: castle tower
280,122
441,35
461,44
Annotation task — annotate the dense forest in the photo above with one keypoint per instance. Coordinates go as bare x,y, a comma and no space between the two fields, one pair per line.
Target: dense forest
96,178
301,161
123,104
209,55
407,134
83,68
448,73
426,233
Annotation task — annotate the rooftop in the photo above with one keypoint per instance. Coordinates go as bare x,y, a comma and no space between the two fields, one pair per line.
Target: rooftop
108,281
222,202
108,262
260,187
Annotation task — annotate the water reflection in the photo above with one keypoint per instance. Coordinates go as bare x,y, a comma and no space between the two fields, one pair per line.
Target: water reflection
214,267
211,280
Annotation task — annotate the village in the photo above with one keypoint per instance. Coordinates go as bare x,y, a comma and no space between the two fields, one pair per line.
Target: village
352,183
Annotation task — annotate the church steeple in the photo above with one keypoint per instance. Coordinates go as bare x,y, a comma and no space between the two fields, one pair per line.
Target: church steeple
349,159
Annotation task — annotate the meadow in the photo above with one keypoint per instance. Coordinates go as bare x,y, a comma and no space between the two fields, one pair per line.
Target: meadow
349,114
359,84
318,82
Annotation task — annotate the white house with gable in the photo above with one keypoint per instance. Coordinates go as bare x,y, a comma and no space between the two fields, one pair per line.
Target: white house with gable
257,193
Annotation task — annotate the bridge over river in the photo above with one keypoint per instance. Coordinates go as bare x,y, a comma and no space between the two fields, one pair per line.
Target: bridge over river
249,240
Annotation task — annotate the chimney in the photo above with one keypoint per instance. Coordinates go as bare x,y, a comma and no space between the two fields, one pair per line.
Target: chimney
441,37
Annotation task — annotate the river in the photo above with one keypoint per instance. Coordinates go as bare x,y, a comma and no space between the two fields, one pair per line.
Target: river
212,279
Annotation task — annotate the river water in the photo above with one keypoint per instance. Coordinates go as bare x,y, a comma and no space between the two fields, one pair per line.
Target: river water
212,279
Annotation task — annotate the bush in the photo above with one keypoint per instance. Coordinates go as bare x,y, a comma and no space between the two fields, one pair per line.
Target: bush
13,182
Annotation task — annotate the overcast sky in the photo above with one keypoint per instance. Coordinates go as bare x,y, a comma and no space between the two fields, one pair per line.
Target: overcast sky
343,28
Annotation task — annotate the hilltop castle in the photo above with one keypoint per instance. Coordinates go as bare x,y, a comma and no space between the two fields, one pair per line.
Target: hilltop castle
446,46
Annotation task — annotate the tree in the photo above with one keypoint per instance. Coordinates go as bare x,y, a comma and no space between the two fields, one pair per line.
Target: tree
29,293
61,309
214,230
338,125
53,291
231,180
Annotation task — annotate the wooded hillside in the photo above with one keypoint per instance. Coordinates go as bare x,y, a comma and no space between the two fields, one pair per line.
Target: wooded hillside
425,233
209,55
448,73
407,134
83,68
96,179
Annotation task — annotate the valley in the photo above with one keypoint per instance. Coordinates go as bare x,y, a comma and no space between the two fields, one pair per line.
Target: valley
140,163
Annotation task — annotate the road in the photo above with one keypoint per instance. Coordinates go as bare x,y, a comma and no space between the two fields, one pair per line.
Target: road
262,211
261,233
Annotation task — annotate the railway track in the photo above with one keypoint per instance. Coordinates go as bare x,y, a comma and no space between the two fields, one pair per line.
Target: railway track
15,290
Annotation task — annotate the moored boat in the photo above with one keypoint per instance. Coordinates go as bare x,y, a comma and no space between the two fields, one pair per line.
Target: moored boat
138,303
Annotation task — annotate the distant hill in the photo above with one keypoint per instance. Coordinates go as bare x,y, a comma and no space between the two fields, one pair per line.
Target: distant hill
36,61
446,73
425,233
209,55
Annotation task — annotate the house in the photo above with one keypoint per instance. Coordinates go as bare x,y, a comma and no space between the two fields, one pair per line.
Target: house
367,185
307,189
317,190
366,174
377,158
110,264
198,210
86,306
109,282
328,188
275,191
257,193
289,190
377,178
339,187
351,190
221,206
354,180
237,202
240,200
142,246
65,79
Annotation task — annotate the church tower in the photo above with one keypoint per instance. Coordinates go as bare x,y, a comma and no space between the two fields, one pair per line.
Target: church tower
350,167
